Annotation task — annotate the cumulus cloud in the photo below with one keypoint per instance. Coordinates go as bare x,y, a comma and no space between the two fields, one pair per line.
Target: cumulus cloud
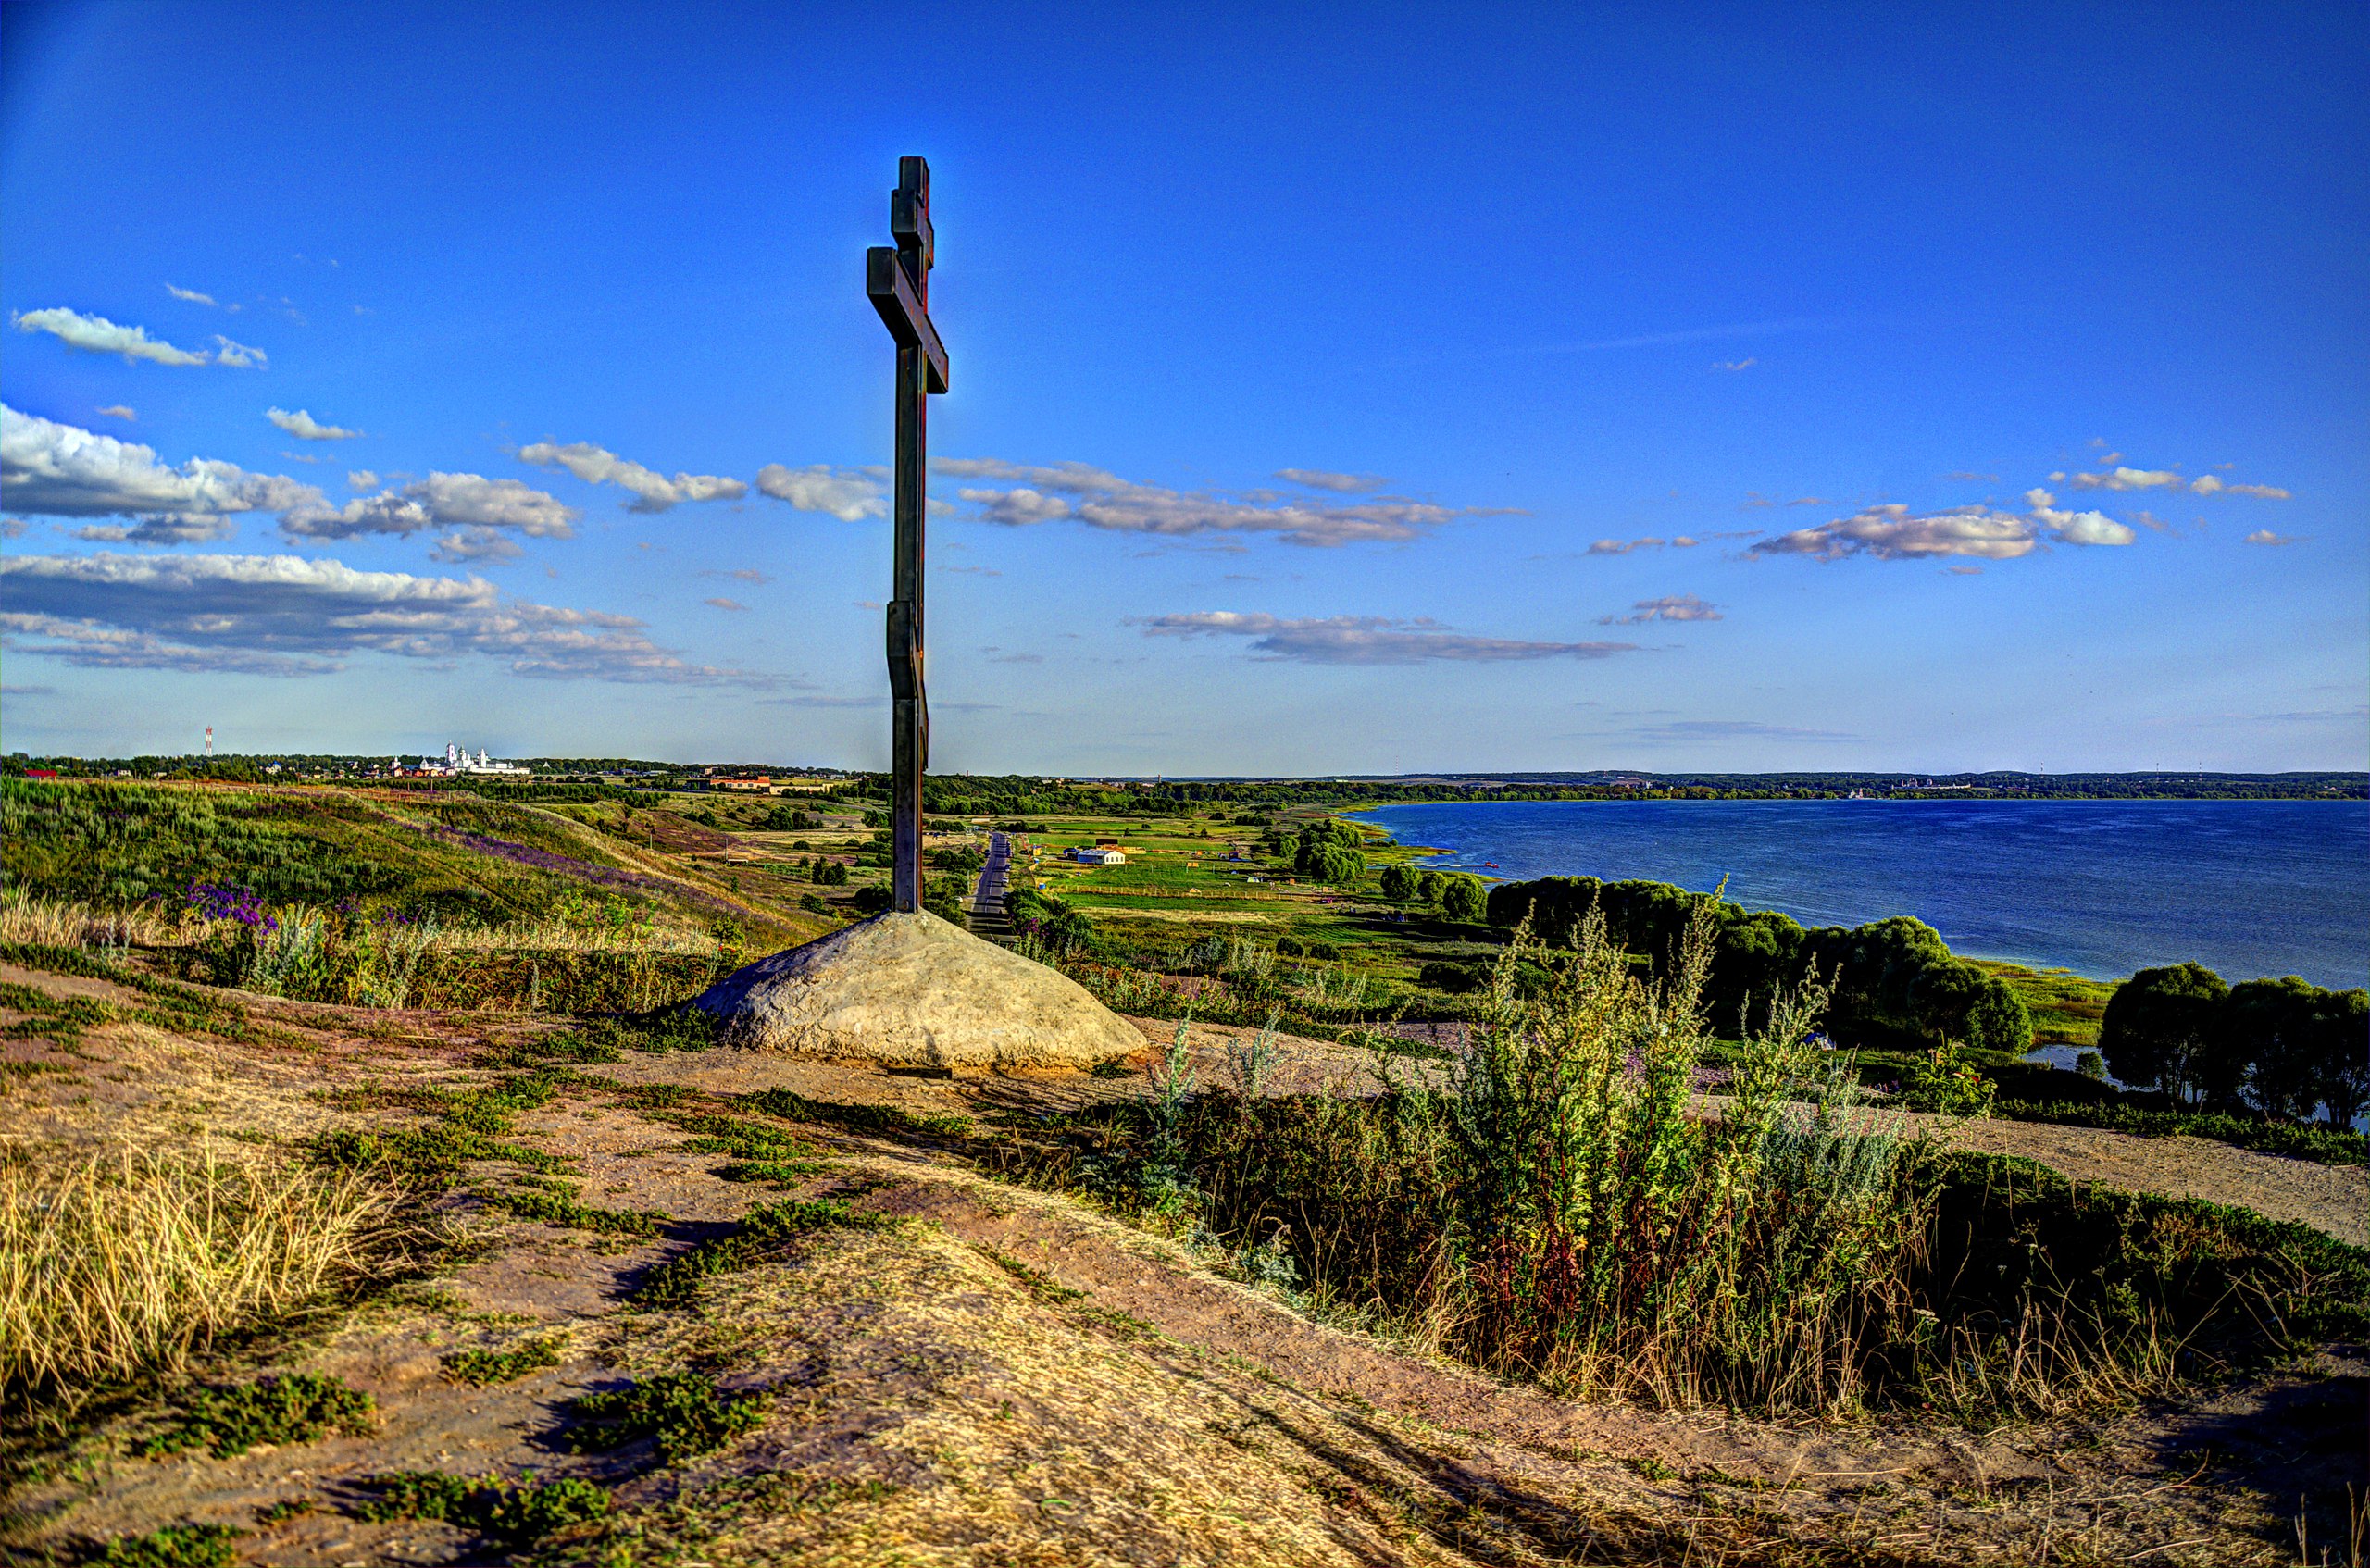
61,471
2166,478
362,478
2264,536
1321,479
304,426
119,411
1366,640
2075,527
652,491
1101,499
284,615
1891,532
1670,607
192,295
456,501
480,544
849,494
1017,507
239,355
96,334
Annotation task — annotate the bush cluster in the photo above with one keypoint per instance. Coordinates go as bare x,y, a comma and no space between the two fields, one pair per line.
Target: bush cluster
1895,982
2282,1048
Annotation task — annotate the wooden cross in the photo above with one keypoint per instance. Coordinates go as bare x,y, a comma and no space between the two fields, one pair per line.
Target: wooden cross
896,278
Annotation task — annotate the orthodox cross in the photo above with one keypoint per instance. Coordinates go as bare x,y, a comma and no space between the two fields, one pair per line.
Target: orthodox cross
896,278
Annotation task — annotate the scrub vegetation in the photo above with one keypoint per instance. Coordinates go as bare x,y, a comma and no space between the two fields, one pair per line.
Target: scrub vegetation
1435,1222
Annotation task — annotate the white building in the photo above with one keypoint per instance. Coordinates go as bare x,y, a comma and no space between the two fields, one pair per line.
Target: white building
1094,854
457,760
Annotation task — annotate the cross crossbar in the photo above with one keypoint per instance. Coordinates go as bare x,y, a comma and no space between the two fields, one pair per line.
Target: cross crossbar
891,291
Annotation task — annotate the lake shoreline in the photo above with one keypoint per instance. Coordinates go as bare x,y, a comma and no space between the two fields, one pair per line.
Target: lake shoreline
2099,888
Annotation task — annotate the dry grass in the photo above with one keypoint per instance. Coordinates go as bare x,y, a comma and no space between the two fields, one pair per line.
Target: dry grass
671,935
64,923
131,1260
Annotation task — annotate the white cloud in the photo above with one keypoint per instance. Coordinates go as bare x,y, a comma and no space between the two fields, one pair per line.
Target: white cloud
2130,479
462,501
2075,527
1891,532
362,478
2206,484
285,614
119,411
464,545
1624,546
304,426
2264,536
58,471
1670,607
849,494
98,335
1321,479
192,295
653,492
1103,500
169,529
726,604
2166,478
1366,640
1017,507
1734,364
239,355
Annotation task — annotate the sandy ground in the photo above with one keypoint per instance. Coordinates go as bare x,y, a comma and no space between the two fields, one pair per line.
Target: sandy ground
1009,1376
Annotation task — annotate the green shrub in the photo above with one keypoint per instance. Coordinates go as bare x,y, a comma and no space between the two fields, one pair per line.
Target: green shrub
761,1233
510,1515
175,1546
299,1407
480,1368
682,1410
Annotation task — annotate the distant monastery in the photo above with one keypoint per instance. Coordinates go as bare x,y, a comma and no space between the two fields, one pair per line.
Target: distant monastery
457,761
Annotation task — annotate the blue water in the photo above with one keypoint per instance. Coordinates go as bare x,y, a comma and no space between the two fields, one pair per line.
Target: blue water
2103,888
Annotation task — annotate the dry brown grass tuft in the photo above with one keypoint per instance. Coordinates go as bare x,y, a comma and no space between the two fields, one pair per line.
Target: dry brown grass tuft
62,923
130,1261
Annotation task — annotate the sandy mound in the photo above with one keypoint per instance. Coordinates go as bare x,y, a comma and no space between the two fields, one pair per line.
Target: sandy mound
913,990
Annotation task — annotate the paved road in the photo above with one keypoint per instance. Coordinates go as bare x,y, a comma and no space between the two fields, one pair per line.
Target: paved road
988,916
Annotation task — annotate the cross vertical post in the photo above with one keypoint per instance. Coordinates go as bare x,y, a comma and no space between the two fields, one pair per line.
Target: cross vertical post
897,281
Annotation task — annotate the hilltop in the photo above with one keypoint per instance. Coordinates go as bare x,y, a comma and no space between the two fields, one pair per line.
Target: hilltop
521,1266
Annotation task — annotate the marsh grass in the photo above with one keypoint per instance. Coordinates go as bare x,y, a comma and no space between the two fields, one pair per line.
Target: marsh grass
125,1264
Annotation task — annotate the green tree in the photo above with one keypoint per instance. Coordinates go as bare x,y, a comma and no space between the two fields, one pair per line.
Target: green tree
1398,883
2343,1054
2162,1025
1430,886
1466,901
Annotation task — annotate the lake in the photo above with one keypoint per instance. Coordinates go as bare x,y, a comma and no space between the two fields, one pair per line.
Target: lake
2103,888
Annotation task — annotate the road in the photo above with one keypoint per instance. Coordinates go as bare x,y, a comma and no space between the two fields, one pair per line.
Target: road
988,916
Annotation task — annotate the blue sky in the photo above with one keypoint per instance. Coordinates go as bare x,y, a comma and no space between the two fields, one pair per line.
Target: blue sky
1358,389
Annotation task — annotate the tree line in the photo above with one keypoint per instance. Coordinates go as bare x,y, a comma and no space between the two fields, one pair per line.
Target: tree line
2283,1048
1896,982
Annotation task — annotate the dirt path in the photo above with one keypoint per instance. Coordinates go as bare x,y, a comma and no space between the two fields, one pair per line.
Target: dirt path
2335,1199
